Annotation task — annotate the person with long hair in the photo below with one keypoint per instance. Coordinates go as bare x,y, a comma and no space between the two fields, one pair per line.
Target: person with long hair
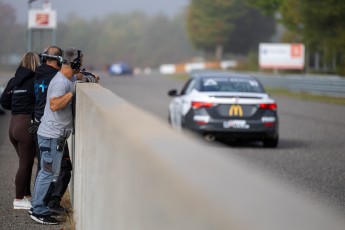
23,102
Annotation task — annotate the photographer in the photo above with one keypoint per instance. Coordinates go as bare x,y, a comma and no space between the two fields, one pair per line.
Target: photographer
55,127
51,64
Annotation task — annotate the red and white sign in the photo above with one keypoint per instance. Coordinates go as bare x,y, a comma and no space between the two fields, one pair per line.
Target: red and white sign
281,56
42,19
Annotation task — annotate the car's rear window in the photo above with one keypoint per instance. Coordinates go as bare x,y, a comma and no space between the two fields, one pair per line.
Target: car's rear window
230,84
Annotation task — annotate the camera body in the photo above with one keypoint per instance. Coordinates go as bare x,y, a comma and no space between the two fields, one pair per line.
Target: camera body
62,140
61,143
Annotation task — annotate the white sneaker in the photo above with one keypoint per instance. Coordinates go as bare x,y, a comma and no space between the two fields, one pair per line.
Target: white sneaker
21,204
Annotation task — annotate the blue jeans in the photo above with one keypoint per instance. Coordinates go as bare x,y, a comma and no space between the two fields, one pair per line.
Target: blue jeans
49,172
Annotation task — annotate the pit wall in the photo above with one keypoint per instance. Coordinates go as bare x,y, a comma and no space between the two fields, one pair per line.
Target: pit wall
132,171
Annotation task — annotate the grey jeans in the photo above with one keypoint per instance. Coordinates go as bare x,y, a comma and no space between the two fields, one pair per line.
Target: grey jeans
50,170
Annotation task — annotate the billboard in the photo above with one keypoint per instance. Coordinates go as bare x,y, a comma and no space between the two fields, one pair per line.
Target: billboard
281,56
42,19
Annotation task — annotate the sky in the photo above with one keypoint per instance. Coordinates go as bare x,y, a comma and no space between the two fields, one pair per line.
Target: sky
90,9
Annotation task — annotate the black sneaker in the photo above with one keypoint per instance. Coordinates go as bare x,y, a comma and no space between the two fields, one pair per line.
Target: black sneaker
58,210
44,219
31,211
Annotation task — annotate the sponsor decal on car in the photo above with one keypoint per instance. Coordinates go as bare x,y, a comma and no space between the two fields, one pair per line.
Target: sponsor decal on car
268,121
236,110
201,120
236,124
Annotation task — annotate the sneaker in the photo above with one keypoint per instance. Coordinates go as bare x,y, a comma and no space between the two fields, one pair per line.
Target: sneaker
21,204
57,210
44,219
31,211
28,198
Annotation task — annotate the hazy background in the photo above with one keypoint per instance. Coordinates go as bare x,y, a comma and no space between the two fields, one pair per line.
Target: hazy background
97,9
142,33
149,33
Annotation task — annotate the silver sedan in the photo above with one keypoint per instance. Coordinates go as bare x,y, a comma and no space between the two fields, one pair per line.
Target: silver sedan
224,105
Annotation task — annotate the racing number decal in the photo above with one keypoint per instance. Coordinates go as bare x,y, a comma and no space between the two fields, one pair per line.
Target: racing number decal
236,110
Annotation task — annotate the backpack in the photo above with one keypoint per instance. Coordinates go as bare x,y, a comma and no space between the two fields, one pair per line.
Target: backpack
6,97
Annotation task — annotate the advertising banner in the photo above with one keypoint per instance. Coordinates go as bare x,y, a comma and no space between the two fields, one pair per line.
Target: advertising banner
281,56
42,19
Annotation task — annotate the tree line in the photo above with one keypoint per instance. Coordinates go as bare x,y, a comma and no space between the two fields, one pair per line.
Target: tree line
227,27
142,40
211,29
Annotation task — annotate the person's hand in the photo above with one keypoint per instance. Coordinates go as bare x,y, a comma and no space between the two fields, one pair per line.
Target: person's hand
97,77
33,127
74,86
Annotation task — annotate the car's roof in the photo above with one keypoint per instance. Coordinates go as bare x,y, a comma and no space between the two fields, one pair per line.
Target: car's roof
207,74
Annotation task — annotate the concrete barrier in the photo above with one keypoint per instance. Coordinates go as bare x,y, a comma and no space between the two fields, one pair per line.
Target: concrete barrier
132,171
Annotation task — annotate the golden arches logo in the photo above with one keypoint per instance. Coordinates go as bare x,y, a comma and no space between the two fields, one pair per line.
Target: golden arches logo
236,110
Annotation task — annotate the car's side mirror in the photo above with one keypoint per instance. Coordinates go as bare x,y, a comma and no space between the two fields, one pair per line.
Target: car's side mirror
172,93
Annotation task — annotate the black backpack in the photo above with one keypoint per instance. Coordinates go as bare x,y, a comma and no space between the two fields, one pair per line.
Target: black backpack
6,97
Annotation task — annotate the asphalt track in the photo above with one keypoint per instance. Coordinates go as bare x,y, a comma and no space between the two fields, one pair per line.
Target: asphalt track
310,155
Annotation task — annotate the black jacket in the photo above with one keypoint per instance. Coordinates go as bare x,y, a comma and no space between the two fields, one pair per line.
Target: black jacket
43,75
23,99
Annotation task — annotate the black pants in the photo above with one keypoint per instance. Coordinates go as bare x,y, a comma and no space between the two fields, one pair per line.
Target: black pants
57,190
24,144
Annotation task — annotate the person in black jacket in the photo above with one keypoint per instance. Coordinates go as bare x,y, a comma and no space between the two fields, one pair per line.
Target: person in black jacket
23,101
51,64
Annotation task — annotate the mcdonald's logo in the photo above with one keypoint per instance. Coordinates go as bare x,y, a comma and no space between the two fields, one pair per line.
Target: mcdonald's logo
236,110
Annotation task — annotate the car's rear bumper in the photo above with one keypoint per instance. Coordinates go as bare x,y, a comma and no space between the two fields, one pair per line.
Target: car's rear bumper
242,135
255,130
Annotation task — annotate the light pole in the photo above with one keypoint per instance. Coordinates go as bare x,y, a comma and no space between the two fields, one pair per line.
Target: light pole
29,31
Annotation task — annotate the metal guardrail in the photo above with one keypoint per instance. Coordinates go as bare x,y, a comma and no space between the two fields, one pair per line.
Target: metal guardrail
320,85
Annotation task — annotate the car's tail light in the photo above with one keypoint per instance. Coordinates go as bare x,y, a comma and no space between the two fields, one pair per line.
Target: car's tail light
199,104
269,124
271,106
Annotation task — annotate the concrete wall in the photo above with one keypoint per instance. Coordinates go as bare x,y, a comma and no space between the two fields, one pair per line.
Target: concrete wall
132,171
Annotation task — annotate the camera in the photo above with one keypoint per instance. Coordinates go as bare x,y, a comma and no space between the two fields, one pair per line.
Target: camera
60,143
62,140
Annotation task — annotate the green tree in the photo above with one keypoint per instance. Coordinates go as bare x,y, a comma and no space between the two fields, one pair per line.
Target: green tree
210,23
267,6
251,28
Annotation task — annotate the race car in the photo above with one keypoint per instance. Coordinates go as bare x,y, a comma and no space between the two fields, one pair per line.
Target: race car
120,69
225,105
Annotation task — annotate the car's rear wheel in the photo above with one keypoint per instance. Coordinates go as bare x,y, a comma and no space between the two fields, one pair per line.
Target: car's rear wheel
271,143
